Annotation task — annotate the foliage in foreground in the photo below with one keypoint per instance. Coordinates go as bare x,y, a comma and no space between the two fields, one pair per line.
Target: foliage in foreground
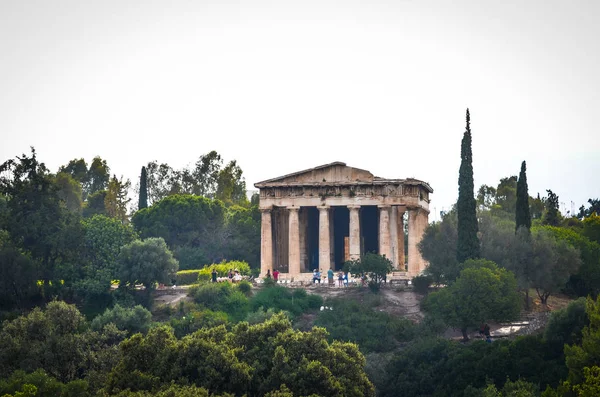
249,359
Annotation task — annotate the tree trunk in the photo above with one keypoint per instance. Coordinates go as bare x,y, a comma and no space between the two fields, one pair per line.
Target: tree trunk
464,334
527,299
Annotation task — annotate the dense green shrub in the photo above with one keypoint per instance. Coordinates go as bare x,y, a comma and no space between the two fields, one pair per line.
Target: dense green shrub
373,331
222,297
442,367
42,384
223,268
245,287
294,302
134,319
566,325
193,321
421,283
187,277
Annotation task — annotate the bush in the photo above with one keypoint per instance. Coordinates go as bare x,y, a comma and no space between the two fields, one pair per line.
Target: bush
421,283
187,277
373,331
245,287
283,299
222,297
133,320
566,325
223,268
196,320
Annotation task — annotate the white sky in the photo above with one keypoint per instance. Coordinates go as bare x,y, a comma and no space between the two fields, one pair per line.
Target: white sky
282,86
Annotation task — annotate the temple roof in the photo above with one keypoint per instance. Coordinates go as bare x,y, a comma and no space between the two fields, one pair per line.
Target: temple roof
336,173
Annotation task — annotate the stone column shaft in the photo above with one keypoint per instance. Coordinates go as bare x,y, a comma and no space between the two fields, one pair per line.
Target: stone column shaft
384,231
354,237
394,236
417,222
294,242
266,242
324,239
401,256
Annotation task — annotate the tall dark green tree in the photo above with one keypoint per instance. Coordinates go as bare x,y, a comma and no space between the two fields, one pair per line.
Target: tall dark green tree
522,215
468,243
552,216
143,202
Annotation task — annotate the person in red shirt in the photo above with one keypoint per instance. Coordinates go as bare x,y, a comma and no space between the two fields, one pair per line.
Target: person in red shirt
275,274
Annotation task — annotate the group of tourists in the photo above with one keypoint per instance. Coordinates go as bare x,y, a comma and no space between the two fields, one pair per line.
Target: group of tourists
342,278
233,276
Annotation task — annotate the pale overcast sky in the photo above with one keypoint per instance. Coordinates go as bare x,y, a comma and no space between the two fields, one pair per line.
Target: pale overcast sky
282,86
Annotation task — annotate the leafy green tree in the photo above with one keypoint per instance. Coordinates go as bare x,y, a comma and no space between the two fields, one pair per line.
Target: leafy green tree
205,175
438,248
231,187
36,219
243,234
467,242
522,217
249,359
594,208
55,339
376,267
95,204
147,262
486,197
565,326
506,197
591,227
116,199
587,280
143,199
97,177
587,353
537,207
552,215
133,320
162,181
553,262
186,221
69,191
483,292
18,275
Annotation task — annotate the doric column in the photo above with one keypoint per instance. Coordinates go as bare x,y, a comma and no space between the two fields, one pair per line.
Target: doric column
401,257
294,242
303,216
394,236
324,239
417,222
384,231
266,241
354,237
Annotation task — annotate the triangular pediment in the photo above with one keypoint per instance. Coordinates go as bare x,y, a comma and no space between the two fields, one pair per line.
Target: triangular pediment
336,172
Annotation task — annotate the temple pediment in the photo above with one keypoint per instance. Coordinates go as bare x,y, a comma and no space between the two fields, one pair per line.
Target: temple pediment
333,173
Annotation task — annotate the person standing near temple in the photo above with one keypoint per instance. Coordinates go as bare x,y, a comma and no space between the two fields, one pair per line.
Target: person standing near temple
276,275
330,277
213,275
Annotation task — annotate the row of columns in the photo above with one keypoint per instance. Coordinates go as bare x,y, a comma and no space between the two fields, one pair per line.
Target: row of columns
391,237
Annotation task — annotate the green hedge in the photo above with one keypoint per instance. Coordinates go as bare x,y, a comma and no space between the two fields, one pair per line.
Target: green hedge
187,277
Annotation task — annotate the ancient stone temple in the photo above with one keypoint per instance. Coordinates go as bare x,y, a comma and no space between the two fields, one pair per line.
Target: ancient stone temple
324,216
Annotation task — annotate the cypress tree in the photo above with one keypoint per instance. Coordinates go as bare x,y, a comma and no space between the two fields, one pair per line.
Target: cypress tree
522,215
468,242
143,202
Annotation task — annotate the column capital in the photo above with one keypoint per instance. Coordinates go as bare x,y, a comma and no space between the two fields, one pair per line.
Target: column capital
263,210
354,206
293,208
326,207
384,206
